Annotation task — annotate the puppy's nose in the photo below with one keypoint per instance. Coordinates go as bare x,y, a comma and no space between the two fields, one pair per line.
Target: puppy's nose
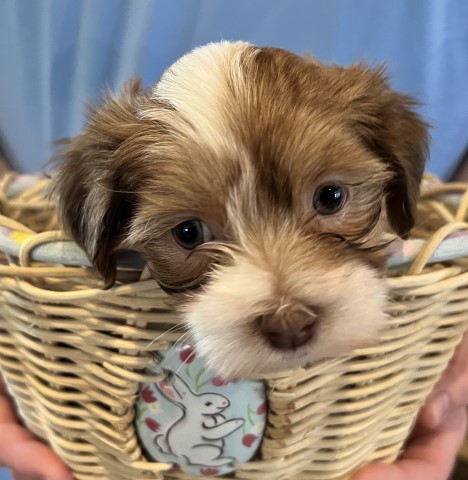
288,328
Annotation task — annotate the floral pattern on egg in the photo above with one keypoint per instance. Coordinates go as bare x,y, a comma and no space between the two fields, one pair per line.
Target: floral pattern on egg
196,420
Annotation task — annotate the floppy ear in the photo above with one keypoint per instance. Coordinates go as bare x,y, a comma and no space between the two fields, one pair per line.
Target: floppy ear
388,125
96,180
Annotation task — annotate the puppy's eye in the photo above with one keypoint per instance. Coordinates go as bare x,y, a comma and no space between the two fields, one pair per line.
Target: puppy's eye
191,234
208,404
329,199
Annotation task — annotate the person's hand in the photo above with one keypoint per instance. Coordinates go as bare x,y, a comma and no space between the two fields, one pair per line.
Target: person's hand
431,451
27,457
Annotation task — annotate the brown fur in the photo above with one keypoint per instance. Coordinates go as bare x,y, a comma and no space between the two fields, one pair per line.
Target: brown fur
275,128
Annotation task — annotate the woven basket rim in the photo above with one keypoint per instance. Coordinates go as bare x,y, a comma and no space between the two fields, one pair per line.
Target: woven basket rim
56,248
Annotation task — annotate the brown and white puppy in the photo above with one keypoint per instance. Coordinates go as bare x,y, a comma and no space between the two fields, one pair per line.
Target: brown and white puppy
256,185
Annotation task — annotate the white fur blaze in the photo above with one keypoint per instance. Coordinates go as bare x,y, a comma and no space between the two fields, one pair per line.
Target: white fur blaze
197,86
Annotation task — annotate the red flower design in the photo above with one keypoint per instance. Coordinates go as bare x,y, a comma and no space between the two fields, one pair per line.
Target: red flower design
219,381
261,410
248,439
147,395
187,354
152,424
209,471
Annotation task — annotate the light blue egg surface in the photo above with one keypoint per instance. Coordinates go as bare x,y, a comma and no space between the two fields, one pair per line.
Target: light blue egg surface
195,420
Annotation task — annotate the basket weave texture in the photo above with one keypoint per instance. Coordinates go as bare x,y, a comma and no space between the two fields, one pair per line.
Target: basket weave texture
73,356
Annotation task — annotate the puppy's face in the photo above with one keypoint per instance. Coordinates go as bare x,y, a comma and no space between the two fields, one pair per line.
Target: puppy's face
257,186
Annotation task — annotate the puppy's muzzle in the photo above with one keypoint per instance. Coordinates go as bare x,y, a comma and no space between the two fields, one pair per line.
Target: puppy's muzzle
289,327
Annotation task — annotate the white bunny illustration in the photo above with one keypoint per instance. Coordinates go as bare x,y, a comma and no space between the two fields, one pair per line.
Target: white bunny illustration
198,435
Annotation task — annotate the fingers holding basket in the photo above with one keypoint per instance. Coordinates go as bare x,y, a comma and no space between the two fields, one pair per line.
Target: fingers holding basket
430,454
452,390
21,452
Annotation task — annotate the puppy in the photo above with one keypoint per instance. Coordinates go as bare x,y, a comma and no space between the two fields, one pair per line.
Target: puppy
256,185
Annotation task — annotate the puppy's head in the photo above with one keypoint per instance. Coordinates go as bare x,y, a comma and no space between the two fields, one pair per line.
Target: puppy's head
257,186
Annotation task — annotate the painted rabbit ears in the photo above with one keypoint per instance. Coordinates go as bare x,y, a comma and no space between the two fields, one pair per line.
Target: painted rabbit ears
174,388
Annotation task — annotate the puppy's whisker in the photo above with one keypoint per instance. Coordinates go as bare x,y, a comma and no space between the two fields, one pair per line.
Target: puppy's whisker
375,248
177,326
179,368
354,242
309,223
216,250
333,236
421,224
111,190
107,189
168,353
312,217
364,181
372,224
181,339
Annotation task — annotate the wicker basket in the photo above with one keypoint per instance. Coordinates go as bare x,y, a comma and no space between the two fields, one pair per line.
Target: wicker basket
73,354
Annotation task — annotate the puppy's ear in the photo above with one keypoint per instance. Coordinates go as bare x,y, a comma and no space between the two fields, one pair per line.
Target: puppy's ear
388,125
96,181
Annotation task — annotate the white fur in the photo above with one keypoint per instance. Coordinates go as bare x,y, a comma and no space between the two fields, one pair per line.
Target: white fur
197,87
222,317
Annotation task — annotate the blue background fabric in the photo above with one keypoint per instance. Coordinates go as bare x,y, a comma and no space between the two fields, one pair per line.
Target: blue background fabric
57,54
